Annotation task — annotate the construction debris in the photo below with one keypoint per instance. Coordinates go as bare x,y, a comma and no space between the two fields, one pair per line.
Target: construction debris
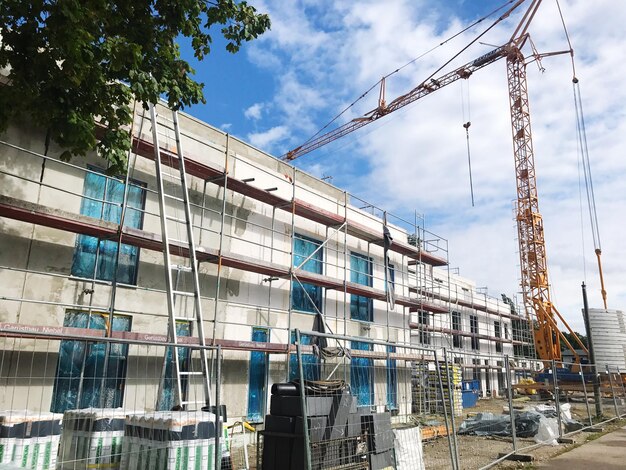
538,421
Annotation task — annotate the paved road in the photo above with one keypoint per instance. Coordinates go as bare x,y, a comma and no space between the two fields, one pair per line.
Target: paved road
605,453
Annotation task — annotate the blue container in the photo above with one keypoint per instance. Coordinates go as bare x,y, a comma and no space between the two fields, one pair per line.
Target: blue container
470,392
469,398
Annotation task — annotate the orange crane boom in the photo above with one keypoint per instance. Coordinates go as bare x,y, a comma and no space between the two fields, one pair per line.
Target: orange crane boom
423,89
533,260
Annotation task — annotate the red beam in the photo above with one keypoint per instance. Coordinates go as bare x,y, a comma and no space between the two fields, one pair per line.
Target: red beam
302,208
54,218
437,329
36,214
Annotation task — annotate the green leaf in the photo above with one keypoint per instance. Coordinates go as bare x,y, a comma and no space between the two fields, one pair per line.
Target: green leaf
68,58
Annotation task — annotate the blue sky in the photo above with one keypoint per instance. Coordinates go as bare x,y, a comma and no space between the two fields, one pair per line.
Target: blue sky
234,82
321,55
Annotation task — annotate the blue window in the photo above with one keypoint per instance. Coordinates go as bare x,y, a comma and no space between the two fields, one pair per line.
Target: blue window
256,378
307,297
457,340
392,381
97,189
361,307
167,399
362,375
310,362
391,285
497,331
98,387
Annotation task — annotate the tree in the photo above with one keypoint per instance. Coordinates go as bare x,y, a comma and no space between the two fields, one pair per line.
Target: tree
572,340
72,63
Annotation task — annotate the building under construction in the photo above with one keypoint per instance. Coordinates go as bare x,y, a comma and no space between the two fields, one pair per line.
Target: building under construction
277,250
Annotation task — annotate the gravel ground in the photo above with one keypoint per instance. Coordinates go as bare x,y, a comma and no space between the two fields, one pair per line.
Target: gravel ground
478,451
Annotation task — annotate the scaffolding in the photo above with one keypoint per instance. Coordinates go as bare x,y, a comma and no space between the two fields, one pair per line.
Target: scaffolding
248,209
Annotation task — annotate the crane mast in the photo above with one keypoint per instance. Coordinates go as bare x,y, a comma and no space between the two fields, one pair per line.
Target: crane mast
532,246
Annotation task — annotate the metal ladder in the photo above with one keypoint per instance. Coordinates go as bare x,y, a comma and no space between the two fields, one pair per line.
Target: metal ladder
181,312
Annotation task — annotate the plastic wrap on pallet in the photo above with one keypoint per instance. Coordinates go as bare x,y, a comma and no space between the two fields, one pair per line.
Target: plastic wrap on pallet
408,449
92,438
29,439
457,399
167,440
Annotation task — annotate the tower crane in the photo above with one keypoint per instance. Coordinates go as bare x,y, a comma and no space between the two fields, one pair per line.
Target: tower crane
532,248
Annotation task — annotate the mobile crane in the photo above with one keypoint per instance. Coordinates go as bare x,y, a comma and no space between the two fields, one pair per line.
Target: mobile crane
533,261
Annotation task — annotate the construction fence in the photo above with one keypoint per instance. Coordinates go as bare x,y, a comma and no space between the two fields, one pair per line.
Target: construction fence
355,403
71,402
375,405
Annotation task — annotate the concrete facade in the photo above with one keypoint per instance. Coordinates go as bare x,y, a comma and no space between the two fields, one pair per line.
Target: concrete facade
232,218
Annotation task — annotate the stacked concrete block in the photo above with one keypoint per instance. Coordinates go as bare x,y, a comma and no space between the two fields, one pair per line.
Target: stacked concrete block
380,440
167,440
92,438
340,434
30,440
451,387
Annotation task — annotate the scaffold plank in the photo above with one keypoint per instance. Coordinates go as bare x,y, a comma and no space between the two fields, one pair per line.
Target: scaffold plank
58,333
55,218
463,303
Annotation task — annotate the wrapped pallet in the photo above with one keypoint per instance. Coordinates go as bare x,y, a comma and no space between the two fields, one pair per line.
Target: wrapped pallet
30,440
92,438
408,449
165,440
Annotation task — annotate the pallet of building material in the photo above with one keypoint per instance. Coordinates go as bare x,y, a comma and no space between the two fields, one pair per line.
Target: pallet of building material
457,403
457,400
455,371
420,393
409,453
433,432
167,440
455,377
92,438
29,439
434,384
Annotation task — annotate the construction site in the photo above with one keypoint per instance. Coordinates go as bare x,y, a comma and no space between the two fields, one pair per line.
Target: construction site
218,307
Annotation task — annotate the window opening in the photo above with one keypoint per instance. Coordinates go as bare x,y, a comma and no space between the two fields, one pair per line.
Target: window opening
80,380
103,198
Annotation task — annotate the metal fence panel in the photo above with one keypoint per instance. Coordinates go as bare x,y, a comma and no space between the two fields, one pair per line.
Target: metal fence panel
66,404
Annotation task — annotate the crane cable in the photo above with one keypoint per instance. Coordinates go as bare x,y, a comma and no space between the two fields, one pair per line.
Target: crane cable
466,126
580,206
591,201
583,150
382,80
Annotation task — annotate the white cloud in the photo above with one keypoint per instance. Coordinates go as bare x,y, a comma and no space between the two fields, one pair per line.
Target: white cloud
327,54
268,138
254,111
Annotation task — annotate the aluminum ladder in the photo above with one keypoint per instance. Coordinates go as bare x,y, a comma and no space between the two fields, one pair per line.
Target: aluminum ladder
180,311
